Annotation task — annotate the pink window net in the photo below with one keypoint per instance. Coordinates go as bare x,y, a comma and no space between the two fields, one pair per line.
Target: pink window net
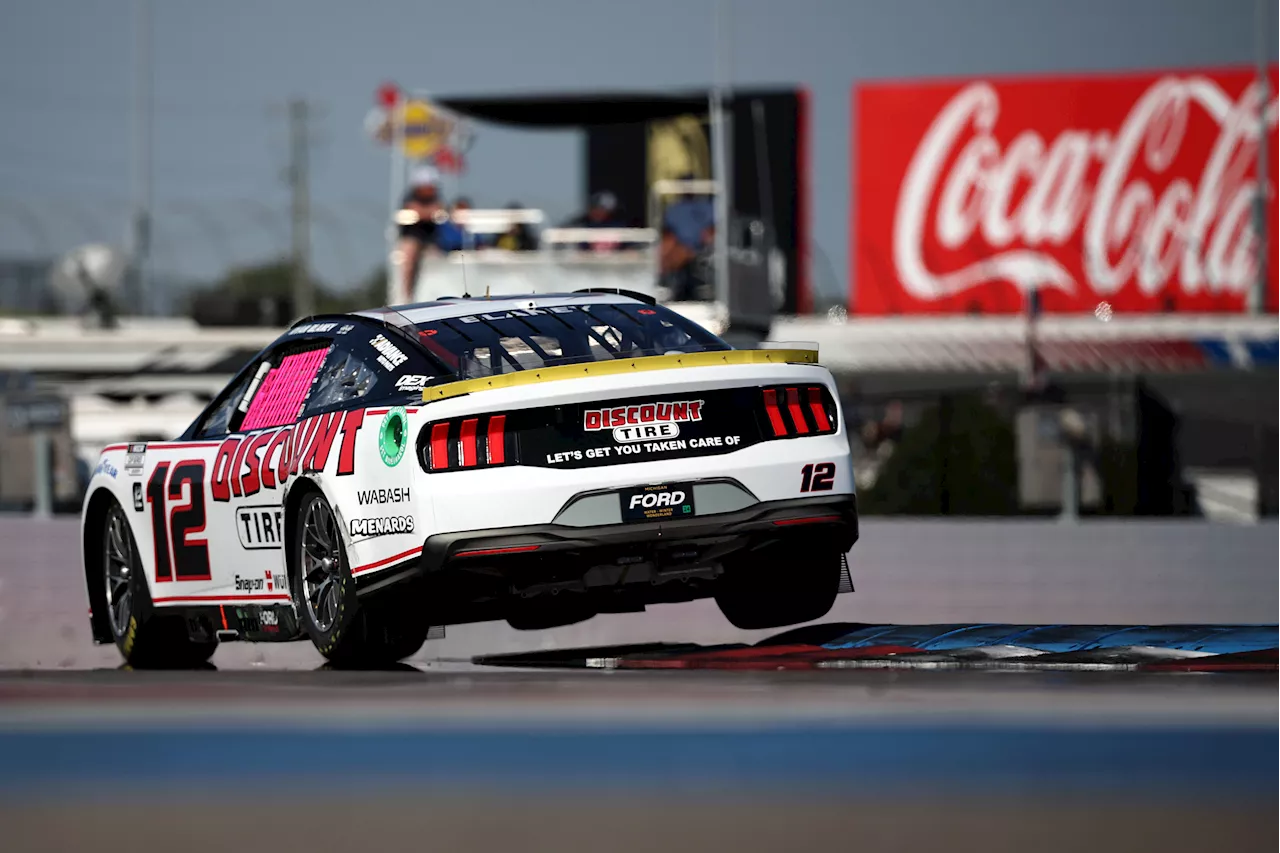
283,390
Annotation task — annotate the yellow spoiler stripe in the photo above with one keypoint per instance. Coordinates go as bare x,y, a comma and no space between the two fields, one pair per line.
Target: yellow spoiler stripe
616,366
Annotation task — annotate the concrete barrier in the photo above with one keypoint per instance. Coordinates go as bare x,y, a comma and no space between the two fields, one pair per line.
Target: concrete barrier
904,571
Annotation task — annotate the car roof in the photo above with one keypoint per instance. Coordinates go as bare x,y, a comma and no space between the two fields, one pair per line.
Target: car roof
444,309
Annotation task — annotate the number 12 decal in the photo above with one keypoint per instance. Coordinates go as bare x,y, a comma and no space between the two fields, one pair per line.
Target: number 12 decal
818,478
174,520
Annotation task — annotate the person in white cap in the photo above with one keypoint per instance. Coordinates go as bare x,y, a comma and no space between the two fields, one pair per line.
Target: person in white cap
418,220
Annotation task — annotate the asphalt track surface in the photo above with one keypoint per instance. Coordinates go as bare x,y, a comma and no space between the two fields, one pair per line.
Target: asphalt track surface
270,749
481,759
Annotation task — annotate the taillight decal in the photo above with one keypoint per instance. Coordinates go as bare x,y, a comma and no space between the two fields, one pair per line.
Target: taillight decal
497,440
440,446
467,442
818,410
797,413
473,442
820,420
775,416
493,552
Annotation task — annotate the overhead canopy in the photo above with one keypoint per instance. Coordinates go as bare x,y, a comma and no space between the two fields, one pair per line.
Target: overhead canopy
583,109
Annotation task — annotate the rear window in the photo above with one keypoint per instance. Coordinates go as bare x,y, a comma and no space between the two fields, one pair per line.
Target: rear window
279,396
525,339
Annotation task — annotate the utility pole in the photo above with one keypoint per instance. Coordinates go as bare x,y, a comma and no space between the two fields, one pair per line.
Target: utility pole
138,292
722,166
300,206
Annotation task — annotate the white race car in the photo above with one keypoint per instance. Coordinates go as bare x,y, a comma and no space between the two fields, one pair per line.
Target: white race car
537,459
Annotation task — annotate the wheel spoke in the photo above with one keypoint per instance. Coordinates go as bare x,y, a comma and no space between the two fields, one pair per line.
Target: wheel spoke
316,528
330,602
320,556
318,595
122,608
117,564
314,549
117,541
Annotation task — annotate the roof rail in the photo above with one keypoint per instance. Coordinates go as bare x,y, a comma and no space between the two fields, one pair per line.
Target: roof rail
618,291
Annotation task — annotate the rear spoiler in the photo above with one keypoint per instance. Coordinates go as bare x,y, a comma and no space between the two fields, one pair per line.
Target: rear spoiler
617,366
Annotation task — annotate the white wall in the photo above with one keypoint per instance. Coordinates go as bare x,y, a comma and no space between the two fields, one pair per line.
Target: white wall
905,571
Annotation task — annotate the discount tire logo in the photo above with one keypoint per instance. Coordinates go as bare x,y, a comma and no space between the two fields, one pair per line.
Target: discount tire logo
644,422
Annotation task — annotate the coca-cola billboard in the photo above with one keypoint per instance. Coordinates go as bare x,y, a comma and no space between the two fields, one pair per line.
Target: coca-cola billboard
1136,190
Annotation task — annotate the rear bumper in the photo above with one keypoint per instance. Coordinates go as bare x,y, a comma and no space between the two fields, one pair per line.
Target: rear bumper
829,522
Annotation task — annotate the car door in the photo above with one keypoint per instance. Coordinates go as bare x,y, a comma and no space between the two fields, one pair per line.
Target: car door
180,530
255,456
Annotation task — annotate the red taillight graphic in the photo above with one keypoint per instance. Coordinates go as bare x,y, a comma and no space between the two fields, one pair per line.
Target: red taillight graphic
797,413
497,440
775,416
799,410
466,435
467,443
818,410
440,446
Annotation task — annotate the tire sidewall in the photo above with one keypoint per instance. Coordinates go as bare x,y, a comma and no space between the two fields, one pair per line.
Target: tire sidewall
151,638
326,642
140,607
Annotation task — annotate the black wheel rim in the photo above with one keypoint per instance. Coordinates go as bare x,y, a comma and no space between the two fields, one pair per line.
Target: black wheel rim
117,553
321,564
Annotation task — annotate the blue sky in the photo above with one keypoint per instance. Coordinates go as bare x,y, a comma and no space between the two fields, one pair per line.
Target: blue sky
224,70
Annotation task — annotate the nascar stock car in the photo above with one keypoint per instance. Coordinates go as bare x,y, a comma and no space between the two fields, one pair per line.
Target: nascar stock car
371,476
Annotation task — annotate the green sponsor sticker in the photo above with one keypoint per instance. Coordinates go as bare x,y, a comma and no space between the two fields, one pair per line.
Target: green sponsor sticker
392,436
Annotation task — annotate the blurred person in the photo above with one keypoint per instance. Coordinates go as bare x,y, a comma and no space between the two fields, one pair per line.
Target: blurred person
418,222
688,230
691,219
451,235
519,237
601,212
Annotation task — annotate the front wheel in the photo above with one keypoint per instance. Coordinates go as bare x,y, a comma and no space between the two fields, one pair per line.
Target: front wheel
778,586
346,630
145,636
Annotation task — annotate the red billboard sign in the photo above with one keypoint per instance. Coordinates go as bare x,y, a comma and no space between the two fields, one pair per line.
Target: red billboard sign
1136,190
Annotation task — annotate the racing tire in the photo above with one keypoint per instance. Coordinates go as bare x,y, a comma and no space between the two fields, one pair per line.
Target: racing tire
347,631
147,637
778,586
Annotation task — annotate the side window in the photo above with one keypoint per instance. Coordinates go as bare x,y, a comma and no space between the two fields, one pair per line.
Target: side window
343,377
279,396
219,419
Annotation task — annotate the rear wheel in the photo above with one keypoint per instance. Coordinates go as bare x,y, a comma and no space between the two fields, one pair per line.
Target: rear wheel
344,629
146,637
777,586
